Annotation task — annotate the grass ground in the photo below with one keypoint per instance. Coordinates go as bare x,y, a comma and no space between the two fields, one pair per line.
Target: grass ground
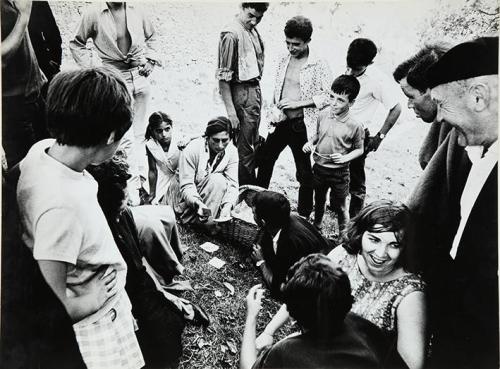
218,345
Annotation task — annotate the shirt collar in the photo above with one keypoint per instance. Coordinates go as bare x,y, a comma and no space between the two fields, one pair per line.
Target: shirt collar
340,118
312,58
103,6
475,153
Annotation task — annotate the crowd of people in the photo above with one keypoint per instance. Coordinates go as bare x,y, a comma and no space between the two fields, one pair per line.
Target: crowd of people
93,190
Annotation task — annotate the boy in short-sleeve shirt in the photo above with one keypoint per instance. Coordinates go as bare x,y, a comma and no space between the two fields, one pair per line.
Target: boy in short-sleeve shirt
62,222
338,140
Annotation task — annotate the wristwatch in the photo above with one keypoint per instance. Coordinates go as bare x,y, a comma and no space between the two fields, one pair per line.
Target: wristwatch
381,135
259,263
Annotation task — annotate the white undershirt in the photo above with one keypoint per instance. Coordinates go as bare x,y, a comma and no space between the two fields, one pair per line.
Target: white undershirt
479,173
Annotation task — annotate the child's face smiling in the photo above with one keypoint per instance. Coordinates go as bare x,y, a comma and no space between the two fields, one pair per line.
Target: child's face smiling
339,103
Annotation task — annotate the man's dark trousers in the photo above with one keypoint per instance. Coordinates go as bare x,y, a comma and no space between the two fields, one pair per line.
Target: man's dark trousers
247,101
357,184
290,132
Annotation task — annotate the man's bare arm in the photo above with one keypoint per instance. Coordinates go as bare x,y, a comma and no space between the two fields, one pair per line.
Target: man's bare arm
12,42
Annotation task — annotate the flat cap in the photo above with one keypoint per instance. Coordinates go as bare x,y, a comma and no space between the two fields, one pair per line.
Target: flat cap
470,59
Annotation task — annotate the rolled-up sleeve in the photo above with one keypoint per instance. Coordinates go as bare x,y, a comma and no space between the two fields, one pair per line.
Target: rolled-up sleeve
150,40
78,46
228,54
187,173
231,174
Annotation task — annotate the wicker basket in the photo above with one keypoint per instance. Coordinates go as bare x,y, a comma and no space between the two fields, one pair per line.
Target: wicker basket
239,232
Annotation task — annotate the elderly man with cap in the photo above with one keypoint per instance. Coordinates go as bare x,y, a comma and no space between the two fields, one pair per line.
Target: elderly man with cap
208,174
463,282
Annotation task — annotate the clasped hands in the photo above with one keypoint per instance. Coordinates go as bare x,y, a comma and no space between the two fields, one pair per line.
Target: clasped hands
335,158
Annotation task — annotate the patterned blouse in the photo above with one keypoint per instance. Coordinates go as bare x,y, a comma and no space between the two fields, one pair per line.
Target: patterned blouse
376,301
315,83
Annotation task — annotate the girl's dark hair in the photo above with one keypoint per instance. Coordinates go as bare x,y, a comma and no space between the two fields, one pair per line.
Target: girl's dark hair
111,177
381,216
155,119
272,207
317,294
85,106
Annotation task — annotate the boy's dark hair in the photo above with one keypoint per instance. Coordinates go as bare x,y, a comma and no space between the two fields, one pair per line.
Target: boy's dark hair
360,53
382,216
111,177
299,27
85,106
346,84
415,68
155,119
272,207
260,7
317,294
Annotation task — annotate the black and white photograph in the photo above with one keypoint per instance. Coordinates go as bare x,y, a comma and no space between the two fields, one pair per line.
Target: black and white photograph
224,184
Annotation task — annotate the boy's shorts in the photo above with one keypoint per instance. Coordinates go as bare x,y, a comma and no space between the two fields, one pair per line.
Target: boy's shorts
337,179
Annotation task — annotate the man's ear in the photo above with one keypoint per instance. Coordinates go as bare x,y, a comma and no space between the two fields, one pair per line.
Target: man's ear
480,96
351,103
111,138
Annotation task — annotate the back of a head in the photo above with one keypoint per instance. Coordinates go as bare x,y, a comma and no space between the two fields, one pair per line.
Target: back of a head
317,294
85,106
111,177
361,52
415,68
299,27
258,6
272,207
346,84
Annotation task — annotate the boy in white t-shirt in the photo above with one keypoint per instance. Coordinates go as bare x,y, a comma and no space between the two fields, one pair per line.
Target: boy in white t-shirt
88,112
377,91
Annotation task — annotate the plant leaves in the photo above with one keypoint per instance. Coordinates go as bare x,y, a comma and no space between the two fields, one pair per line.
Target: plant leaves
229,286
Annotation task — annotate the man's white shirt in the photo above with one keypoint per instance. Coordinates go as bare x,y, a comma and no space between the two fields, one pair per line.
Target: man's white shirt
479,173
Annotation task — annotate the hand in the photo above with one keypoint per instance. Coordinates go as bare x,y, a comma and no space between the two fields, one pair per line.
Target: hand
100,287
235,125
257,253
289,104
307,148
264,340
24,7
146,69
203,212
373,143
225,212
254,301
182,143
337,158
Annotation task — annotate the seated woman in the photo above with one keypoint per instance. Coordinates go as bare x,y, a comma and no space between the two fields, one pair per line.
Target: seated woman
208,175
159,174
318,295
159,318
385,291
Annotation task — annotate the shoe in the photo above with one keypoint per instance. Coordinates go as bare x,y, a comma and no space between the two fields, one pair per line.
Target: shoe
200,318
